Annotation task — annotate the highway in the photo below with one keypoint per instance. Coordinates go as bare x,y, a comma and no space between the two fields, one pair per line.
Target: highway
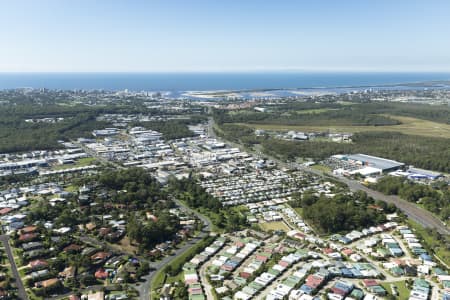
414,212
21,293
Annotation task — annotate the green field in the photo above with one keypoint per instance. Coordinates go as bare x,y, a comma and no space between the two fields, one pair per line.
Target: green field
403,291
274,226
313,111
439,247
177,263
82,162
322,168
299,211
409,125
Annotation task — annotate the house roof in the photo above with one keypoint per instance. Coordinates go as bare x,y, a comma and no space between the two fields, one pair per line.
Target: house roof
27,236
101,274
49,282
38,263
28,229
100,255
72,247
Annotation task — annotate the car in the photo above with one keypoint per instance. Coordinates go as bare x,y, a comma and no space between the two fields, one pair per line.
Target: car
394,290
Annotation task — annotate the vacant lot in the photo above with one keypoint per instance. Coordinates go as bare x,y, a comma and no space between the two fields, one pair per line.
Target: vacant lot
403,291
83,162
274,226
409,125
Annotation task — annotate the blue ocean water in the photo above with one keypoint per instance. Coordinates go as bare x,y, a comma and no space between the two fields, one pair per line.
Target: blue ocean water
208,81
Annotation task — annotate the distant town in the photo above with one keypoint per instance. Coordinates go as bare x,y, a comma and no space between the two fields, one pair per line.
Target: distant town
136,195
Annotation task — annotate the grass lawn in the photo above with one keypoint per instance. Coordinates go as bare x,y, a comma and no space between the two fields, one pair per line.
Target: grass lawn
322,168
409,125
438,247
82,162
313,111
403,291
274,226
71,188
212,216
158,280
299,211
124,245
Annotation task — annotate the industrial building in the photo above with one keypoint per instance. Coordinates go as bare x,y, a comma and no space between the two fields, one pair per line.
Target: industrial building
366,164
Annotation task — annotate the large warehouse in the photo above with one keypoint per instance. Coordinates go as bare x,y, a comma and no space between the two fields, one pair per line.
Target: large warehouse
383,164
367,164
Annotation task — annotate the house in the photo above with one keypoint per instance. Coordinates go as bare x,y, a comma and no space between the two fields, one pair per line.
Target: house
72,248
68,272
100,257
38,264
52,282
27,237
96,296
32,246
28,229
90,226
101,274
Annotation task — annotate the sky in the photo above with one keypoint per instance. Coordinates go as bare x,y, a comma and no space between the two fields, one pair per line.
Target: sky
229,35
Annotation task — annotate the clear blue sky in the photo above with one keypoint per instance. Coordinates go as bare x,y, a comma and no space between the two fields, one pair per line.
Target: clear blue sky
224,35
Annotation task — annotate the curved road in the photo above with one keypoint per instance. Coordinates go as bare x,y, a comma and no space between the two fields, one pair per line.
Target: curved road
145,287
414,212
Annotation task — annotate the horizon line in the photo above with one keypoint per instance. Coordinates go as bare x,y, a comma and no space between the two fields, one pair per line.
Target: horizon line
200,71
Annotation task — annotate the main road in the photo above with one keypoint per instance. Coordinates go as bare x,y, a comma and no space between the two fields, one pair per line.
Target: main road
145,287
21,293
414,212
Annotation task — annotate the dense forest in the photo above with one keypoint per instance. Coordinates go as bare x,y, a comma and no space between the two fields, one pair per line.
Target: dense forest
17,135
336,109
148,234
79,121
175,128
137,189
189,191
352,115
435,113
425,152
435,198
133,187
342,213
431,153
334,114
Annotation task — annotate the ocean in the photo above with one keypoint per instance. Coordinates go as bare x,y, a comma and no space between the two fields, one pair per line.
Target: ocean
209,81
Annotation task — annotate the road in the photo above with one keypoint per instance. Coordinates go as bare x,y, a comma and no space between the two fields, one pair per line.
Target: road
21,293
145,287
92,288
98,157
207,287
96,243
415,213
